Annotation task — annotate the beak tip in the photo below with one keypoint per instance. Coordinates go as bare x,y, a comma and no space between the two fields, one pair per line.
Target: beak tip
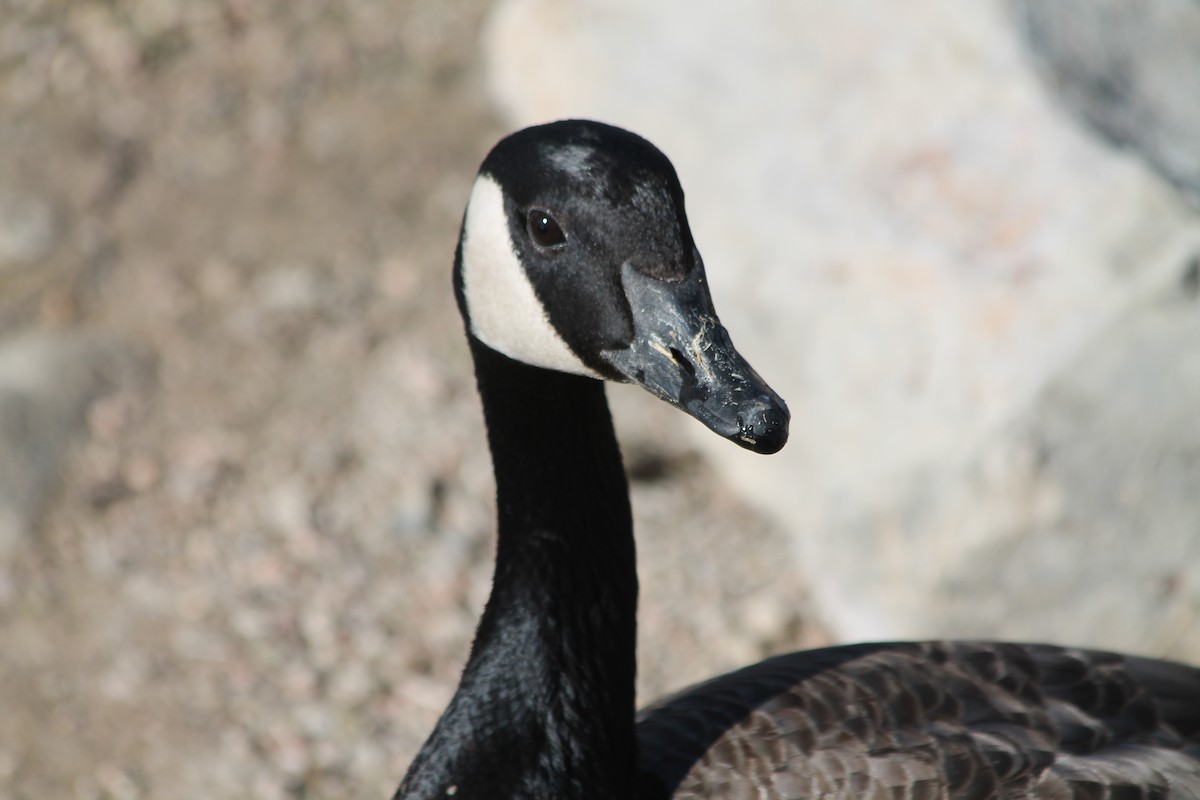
763,426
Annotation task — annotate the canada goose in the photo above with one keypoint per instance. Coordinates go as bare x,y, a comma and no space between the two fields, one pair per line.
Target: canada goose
576,263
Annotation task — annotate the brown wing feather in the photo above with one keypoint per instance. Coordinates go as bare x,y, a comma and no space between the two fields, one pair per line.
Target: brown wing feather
931,720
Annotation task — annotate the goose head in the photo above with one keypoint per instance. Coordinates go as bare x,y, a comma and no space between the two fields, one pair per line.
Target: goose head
576,256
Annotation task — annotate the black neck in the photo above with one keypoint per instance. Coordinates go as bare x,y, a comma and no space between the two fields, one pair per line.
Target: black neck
546,703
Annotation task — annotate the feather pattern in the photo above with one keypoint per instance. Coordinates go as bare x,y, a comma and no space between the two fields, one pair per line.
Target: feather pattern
918,721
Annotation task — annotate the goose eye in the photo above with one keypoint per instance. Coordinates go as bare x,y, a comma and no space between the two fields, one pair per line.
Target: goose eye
543,229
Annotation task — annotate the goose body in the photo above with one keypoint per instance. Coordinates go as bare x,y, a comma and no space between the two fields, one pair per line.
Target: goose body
575,265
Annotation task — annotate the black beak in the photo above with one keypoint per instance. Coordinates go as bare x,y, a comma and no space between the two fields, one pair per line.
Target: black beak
681,353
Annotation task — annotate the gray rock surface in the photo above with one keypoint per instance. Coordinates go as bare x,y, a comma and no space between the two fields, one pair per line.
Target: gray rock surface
1132,70
1078,521
922,252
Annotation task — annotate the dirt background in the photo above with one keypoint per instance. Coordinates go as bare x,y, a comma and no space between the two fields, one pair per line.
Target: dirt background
257,569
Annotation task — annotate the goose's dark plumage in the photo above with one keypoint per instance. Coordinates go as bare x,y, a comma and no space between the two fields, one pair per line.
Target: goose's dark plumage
576,264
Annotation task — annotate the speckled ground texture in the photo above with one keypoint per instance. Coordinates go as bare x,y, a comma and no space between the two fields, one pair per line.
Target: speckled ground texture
254,569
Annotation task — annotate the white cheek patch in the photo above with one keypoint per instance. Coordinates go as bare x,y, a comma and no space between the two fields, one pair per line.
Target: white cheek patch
503,309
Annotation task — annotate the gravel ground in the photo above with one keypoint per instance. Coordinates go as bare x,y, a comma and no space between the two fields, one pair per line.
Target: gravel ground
262,566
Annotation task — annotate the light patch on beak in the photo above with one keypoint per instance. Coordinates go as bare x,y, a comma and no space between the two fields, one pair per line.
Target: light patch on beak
502,307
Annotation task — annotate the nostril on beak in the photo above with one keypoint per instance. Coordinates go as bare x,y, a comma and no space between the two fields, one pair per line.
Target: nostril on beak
686,365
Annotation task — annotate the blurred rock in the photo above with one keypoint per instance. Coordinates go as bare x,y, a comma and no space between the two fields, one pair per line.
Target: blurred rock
1079,522
27,230
47,383
1132,70
922,253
